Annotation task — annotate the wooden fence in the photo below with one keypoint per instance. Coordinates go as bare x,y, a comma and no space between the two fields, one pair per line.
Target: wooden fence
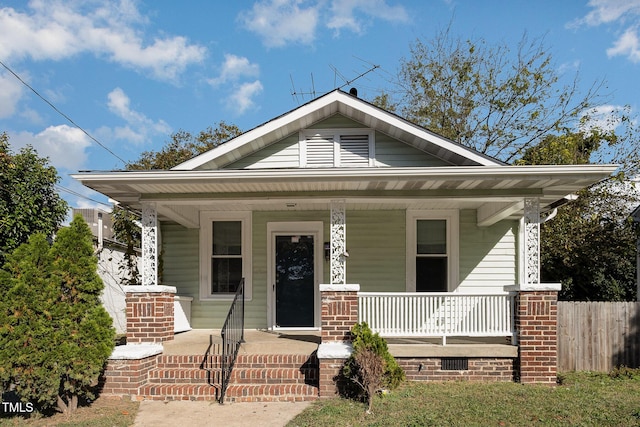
598,336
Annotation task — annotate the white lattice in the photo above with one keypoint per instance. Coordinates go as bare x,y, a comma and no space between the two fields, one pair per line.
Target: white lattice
532,240
338,242
149,245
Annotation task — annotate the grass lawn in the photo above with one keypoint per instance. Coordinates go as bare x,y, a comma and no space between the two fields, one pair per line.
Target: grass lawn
104,412
585,399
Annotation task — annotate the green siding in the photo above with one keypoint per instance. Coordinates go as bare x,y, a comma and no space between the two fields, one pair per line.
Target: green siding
487,254
282,154
337,121
394,153
376,246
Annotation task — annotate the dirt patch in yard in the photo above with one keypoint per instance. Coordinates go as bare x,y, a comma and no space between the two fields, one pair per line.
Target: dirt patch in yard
105,411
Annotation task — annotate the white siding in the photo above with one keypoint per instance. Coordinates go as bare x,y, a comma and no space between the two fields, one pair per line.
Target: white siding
282,154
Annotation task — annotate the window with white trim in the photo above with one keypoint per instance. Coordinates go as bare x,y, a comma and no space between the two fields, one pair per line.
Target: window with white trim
432,251
337,148
225,248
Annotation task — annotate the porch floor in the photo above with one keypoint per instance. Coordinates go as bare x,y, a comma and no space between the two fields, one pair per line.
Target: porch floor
197,341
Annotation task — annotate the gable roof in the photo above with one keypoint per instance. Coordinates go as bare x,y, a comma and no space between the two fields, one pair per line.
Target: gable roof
338,102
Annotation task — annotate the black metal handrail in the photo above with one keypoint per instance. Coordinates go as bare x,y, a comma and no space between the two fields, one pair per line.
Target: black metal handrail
232,336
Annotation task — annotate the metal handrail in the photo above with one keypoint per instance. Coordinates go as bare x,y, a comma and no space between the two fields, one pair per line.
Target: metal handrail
232,336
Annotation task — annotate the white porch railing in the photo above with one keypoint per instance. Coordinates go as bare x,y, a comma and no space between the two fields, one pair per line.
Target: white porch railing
437,314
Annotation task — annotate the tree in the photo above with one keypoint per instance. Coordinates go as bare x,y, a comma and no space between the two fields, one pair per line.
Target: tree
485,97
55,336
29,202
590,245
181,147
85,335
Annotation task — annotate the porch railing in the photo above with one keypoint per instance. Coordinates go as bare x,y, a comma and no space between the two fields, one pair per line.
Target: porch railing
232,336
437,314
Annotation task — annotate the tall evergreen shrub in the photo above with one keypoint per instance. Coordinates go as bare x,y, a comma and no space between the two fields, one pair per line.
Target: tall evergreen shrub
55,335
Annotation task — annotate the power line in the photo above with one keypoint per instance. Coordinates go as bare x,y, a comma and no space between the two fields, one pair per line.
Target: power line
75,193
61,113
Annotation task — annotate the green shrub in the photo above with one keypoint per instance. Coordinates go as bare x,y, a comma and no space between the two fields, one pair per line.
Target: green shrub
55,335
365,340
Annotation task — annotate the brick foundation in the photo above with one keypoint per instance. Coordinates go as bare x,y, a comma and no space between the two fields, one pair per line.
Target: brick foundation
125,377
536,323
150,316
479,369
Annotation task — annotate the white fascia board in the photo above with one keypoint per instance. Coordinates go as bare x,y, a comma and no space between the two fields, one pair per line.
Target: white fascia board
420,132
337,97
446,172
258,132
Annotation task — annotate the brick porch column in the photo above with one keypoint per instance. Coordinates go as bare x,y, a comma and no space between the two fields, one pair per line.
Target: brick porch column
149,313
339,314
537,333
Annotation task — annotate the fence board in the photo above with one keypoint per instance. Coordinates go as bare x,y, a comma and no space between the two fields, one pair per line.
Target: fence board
598,336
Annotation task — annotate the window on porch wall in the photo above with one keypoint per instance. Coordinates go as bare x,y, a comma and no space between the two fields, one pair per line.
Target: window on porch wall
431,256
226,258
225,249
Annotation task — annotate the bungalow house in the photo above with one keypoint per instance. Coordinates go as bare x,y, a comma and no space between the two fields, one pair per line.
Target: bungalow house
338,212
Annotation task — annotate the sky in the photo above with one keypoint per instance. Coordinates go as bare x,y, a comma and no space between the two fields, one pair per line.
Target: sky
130,73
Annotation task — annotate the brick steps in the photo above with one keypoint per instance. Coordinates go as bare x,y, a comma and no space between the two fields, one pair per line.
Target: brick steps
271,393
255,378
179,392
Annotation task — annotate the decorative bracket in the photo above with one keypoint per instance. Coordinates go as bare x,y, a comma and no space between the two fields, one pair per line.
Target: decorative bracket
338,242
149,244
532,241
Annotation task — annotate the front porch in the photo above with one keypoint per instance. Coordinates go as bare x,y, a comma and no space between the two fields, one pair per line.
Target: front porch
261,342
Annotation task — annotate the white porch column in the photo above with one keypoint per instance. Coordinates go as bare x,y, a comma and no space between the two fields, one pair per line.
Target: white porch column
338,242
149,244
531,241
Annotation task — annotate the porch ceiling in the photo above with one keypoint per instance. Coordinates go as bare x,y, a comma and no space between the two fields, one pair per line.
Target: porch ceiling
495,190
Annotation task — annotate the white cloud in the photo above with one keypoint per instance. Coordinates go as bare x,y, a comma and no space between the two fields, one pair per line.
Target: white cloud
56,30
624,17
628,45
65,146
234,68
139,127
280,22
603,117
343,13
10,94
607,11
242,98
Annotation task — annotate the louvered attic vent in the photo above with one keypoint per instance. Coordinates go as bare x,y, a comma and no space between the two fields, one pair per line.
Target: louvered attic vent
354,150
336,150
320,151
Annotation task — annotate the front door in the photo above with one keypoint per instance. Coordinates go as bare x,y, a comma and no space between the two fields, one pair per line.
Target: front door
294,281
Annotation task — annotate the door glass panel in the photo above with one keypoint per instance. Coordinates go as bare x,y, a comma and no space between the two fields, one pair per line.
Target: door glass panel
294,281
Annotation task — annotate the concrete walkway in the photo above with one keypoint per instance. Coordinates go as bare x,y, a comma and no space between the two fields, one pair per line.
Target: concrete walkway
195,414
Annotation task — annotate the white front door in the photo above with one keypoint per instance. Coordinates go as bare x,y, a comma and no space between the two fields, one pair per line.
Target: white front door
295,272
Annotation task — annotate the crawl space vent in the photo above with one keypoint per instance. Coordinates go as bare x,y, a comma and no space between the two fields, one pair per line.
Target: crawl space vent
455,364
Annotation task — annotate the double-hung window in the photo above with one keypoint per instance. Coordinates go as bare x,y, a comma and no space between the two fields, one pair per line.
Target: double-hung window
225,248
337,148
432,251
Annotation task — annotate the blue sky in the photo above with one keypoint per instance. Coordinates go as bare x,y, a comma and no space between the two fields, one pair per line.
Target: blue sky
132,72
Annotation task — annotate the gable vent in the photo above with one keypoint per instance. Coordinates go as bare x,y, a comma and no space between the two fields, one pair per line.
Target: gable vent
354,150
319,151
